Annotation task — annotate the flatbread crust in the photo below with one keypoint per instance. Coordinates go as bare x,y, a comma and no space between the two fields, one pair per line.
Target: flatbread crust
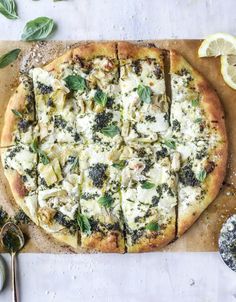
125,50
112,242
92,50
215,115
154,242
131,51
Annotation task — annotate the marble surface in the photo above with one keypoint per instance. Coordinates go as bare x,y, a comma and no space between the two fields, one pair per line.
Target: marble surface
162,277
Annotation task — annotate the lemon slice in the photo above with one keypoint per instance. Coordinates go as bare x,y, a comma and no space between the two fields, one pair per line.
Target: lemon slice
218,44
228,70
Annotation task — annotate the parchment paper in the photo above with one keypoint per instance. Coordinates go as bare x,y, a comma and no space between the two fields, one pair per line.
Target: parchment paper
203,235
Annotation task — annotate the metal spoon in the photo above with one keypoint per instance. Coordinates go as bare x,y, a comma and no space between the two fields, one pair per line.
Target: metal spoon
13,240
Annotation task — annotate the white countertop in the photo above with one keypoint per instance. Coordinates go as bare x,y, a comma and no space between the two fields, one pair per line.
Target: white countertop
162,277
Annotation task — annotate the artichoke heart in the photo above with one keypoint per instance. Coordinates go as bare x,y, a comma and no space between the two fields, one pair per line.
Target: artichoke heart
57,169
47,172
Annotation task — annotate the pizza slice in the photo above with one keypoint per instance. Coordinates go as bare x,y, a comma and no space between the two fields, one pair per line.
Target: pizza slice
199,135
20,120
142,82
149,196
20,169
55,107
101,217
59,182
98,95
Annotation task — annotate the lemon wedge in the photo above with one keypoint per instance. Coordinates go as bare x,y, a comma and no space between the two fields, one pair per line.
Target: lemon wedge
228,70
218,44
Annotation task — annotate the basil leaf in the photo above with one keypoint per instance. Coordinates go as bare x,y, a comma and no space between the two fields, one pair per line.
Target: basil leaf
38,29
171,144
34,146
105,201
110,131
147,185
152,226
42,155
198,120
84,224
195,102
75,83
9,57
75,164
17,113
202,175
144,93
8,9
100,97
120,164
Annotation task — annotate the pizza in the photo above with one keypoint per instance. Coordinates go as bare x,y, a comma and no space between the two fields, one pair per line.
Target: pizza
102,156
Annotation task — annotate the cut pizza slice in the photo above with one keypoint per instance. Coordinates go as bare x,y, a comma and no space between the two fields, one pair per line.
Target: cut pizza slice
149,196
58,191
143,92
55,107
98,95
199,135
20,121
101,217
20,168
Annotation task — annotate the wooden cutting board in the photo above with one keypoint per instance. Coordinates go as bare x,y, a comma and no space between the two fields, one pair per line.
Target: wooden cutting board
203,235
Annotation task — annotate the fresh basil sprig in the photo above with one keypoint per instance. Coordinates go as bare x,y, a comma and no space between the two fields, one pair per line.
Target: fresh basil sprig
110,131
42,155
144,93
75,83
9,57
84,224
8,9
147,185
17,113
38,29
106,201
100,98
152,226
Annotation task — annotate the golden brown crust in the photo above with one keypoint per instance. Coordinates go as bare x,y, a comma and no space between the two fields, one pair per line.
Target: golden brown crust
154,243
92,50
54,66
211,105
63,235
17,102
113,242
131,51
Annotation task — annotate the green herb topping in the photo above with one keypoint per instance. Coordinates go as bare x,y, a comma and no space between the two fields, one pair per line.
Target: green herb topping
144,93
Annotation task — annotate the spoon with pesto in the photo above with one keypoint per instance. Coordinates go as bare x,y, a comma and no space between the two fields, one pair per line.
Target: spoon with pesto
13,240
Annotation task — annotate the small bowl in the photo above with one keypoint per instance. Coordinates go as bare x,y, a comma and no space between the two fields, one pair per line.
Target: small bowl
227,242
